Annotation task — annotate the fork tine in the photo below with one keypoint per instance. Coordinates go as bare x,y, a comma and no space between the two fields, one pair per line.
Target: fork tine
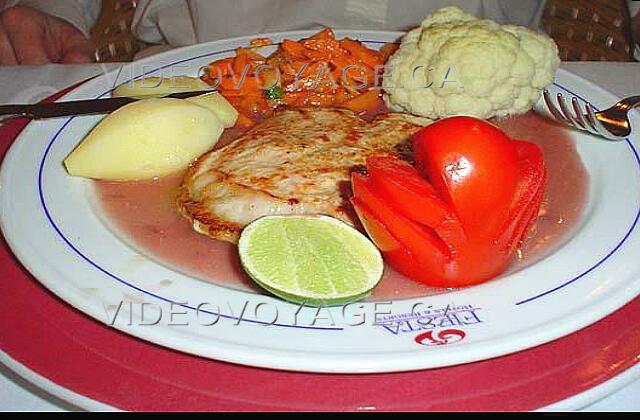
593,125
551,107
578,113
599,127
589,119
567,113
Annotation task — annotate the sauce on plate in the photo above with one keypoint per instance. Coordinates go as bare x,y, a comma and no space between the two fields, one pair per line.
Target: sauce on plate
144,214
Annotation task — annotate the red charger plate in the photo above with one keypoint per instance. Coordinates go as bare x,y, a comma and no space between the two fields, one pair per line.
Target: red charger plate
49,337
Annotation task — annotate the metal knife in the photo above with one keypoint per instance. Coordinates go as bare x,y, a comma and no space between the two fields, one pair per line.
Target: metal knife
85,107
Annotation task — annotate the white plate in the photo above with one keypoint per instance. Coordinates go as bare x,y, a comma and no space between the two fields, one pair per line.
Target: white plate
51,225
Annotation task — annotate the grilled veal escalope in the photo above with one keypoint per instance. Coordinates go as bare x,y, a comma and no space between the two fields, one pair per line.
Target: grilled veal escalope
296,162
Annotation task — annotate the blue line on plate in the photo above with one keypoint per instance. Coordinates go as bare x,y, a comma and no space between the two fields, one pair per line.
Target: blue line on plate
613,251
94,264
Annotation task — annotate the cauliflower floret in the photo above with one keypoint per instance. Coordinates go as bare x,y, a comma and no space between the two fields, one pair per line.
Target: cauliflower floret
456,64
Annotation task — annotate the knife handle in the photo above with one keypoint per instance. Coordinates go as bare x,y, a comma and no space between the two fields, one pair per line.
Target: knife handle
16,111
81,107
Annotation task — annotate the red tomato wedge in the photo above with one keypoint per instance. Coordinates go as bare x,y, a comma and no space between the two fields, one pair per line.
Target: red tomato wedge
400,185
395,253
411,236
460,216
417,252
375,228
528,198
474,166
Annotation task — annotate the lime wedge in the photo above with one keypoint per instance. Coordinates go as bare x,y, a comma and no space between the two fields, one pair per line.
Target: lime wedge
311,260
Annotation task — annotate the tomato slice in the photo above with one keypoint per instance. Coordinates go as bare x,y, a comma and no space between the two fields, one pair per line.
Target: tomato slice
475,263
430,251
415,250
528,198
401,185
474,165
529,219
535,161
375,228
396,255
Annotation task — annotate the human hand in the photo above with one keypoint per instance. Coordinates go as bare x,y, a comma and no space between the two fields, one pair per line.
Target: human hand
28,36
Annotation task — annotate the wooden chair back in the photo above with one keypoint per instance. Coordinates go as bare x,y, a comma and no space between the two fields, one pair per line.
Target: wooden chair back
589,30
112,38
585,30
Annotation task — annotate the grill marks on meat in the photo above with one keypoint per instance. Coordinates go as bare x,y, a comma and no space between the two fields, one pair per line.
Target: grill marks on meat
296,162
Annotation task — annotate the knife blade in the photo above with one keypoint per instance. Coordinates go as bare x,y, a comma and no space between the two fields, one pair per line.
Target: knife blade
82,107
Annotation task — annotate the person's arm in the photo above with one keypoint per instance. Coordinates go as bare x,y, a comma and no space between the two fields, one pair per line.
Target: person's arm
39,31
167,22
519,12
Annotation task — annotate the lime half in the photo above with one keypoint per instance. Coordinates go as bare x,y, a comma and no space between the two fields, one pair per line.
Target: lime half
311,260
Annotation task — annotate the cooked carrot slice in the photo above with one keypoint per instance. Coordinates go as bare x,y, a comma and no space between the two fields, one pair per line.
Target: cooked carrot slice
322,49
261,42
361,53
220,68
248,85
293,49
366,102
243,120
326,33
388,49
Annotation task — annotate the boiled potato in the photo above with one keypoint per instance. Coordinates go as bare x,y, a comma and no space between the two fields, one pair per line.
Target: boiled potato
156,86
218,104
159,86
145,139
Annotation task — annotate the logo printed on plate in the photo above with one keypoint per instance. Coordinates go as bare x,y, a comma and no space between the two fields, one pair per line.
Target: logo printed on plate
436,326
442,338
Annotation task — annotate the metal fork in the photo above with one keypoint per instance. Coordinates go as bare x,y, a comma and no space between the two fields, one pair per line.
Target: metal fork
612,123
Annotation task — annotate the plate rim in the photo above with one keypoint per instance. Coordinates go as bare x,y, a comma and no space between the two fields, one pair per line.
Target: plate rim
576,402
586,320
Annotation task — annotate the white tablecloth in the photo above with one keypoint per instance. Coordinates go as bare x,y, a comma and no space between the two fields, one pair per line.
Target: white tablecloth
31,83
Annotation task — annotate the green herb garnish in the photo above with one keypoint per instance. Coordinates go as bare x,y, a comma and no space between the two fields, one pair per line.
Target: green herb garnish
274,93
